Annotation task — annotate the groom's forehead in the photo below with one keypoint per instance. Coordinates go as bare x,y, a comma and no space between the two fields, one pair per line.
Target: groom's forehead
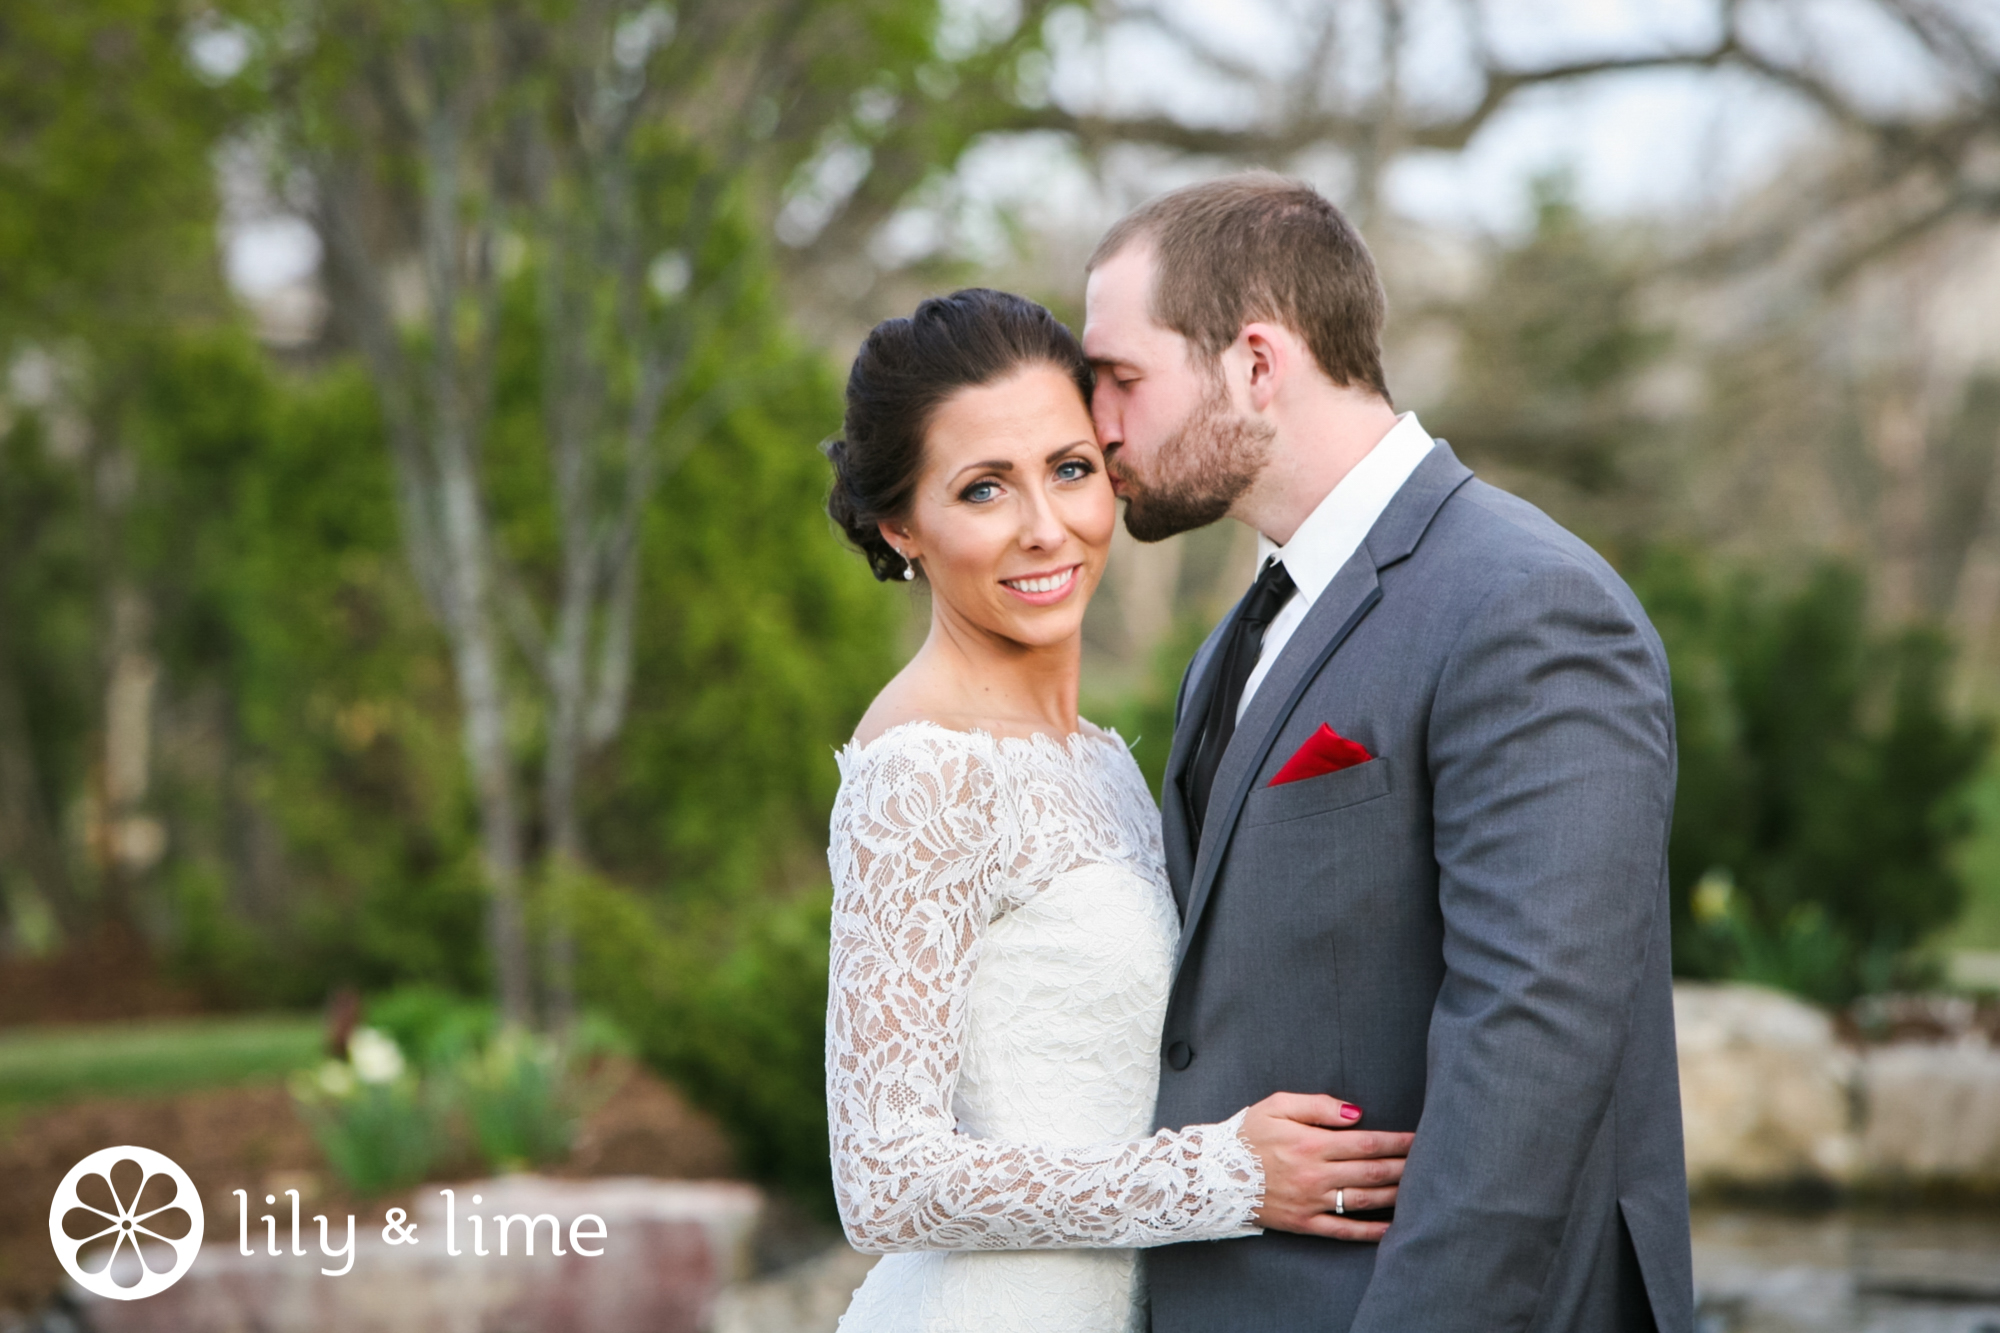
1118,306
1122,284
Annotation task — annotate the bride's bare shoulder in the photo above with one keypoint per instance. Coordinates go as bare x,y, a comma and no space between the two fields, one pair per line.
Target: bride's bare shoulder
878,722
920,696
1089,728
907,703
904,700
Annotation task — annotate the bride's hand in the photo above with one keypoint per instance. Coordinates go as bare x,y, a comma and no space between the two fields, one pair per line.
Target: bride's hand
1309,1150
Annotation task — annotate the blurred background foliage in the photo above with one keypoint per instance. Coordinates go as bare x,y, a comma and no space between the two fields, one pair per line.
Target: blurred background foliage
457,613
1823,782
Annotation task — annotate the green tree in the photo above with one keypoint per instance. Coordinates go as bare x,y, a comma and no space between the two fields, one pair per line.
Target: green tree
1822,780
310,775
107,212
319,810
1551,348
1549,353
615,157
109,202
47,706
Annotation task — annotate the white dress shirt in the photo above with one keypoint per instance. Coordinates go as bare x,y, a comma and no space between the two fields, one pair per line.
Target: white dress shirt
1333,532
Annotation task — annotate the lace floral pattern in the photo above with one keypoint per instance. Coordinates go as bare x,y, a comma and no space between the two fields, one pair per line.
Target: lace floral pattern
948,847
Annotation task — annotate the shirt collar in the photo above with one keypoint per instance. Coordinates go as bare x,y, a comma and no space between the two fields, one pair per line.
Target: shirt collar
1339,523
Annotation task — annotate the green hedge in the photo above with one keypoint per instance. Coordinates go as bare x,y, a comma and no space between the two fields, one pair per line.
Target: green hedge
1824,780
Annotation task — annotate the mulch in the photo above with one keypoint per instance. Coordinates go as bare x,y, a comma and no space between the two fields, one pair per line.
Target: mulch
252,1138
110,976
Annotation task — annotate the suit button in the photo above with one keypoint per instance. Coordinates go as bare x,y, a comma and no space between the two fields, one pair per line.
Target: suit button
1180,1055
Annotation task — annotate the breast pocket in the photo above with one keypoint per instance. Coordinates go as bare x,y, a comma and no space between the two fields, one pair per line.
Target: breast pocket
1318,796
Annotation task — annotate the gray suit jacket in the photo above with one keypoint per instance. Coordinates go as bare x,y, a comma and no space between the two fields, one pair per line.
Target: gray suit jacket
1465,936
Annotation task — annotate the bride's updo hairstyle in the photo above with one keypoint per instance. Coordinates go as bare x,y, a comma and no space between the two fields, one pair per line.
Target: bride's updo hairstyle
903,373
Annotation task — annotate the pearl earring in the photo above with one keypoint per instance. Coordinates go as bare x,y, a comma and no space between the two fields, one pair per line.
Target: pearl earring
909,568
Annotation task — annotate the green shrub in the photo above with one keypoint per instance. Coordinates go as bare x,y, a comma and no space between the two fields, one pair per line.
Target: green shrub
379,1124
1979,862
1144,717
733,1008
754,1048
478,1090
436,1026
521,1100
1822,781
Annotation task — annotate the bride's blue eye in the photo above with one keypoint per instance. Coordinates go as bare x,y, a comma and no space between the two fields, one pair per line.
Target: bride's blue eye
979,492
1073,469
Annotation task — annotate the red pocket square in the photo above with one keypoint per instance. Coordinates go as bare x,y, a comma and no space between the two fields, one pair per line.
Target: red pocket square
1325,751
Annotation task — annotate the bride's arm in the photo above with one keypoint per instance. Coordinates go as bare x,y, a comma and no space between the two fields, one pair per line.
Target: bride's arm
918,852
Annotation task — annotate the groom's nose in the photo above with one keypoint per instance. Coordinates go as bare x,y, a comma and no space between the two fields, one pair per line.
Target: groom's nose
1106,418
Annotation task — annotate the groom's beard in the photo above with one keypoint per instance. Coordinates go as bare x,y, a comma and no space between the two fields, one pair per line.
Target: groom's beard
1203,467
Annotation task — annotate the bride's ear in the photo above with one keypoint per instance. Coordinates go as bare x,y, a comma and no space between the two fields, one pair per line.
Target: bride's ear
898,537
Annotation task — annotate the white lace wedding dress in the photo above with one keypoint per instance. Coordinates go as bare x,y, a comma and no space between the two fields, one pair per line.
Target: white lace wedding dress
1003,935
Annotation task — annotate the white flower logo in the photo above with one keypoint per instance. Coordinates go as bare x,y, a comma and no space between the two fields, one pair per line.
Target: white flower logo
126,1223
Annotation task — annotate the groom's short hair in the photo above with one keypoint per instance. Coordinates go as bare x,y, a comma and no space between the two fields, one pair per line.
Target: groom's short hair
1260,246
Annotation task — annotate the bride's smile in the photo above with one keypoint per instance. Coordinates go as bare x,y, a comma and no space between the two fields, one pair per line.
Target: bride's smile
1011,516
1044,589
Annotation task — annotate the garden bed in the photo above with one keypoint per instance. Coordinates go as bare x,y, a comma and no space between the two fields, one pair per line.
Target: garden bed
251,1137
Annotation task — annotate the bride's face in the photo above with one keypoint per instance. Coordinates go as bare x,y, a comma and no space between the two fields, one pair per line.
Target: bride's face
1012,515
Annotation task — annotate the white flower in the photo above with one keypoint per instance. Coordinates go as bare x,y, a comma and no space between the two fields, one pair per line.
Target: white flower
375,1056
1712,895
335,1079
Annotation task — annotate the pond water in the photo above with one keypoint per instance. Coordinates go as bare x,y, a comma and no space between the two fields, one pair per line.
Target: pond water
1851,1271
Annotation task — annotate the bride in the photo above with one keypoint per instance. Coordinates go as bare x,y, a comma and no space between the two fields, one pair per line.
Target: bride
1003,932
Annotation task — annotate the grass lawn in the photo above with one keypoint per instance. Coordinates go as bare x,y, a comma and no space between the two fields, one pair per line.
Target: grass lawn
58,1063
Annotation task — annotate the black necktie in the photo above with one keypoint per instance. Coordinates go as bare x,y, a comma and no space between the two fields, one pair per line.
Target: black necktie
1239,659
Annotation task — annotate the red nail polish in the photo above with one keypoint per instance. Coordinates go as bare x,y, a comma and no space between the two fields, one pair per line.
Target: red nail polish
1350,1112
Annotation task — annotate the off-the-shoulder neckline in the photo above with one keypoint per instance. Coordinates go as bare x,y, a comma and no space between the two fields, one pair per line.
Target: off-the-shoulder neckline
1102,735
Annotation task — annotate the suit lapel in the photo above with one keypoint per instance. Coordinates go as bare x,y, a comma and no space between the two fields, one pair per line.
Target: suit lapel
1354,592
1176,835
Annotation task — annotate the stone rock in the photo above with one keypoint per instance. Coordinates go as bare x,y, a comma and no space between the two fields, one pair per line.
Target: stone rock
1767,1092
671,1248
1932,1114
806,1298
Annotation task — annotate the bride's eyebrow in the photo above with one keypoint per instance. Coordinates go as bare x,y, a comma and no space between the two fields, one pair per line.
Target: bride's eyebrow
1003,465
990,465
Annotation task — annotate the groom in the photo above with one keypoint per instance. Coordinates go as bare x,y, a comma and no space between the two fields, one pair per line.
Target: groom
1458,919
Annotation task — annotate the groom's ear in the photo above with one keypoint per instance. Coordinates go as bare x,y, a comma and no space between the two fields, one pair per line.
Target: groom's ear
1265,352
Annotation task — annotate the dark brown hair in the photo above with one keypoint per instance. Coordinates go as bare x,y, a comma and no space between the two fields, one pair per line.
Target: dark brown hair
905,370
1260,246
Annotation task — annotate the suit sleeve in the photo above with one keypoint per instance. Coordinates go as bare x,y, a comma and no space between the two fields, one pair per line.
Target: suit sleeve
1552,763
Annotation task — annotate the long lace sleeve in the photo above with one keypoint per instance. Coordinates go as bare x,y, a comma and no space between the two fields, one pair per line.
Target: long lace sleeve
925,850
